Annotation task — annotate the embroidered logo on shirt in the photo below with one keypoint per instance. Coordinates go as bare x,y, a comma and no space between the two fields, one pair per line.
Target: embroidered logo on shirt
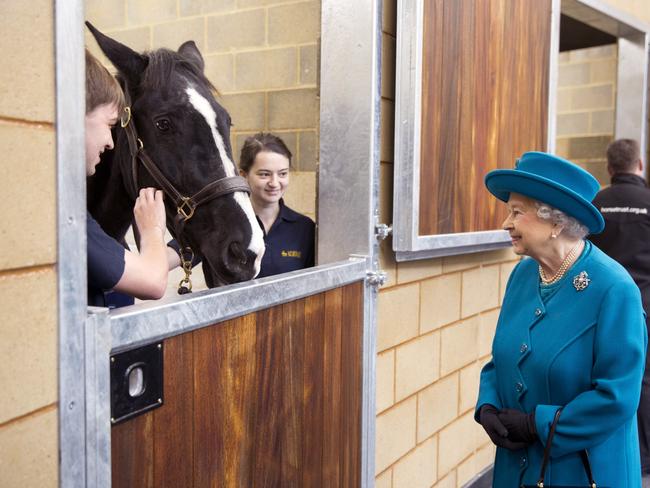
291,254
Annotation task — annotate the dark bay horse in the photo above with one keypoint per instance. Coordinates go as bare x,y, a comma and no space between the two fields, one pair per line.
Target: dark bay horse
179,141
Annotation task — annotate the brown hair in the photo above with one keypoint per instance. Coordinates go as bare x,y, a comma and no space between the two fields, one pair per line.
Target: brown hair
261,142
101,87
623,155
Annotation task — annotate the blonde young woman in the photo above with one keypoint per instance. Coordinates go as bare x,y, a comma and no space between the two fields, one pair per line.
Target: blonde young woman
571,337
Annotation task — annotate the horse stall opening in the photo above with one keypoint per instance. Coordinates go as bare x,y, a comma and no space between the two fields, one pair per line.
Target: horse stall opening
268,382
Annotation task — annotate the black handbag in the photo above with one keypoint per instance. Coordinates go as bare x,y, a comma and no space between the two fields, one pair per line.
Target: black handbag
547,455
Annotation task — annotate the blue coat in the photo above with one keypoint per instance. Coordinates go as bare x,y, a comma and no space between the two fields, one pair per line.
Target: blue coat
581,350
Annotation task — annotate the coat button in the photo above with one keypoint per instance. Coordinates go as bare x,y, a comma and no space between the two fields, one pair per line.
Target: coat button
523,348
522,461
538,311
519,386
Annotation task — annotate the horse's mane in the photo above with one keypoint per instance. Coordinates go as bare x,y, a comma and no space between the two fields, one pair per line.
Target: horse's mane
162,63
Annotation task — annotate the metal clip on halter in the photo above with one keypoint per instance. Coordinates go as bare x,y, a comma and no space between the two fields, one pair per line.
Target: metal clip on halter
185,202
185,285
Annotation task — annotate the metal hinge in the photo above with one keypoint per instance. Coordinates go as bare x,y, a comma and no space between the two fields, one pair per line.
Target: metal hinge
382,231
376,278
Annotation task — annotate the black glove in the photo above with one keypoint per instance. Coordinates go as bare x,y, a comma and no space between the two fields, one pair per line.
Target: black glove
520,425
489,419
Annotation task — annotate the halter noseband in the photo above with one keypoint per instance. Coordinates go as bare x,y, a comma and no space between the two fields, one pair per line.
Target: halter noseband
185,205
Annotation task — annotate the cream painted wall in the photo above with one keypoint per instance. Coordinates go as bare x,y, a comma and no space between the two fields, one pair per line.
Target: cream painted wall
28,297
637,8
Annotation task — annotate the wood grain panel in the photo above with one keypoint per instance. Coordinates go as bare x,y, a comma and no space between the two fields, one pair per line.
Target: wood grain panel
484,102
174,422
271,399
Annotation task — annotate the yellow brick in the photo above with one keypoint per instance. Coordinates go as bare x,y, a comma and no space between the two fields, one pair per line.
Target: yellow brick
459,345
418,468
308,65
574,74
598,52
475,465
504,274
246,111
28,225
172,34
395,430
418,270
576,123
293,109
417,364
385,380
466,261
389,14
220,70
440,302
397,316
487,327
448,481
106,15
27,74
28,304
603,71
469,381
150,11
307,151
29,452
387,131
301,195
584,98
480,290
236,30
384,480
437,406
602,122
271,68
456,442
563,100
196,7
388,67
387,261
297,23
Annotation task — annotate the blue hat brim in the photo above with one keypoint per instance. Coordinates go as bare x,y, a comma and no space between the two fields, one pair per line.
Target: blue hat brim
502,182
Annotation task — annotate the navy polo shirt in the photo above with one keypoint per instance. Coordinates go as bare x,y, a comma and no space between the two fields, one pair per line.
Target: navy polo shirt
105,267
289,243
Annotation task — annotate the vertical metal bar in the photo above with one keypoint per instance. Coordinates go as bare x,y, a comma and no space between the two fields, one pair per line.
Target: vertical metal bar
553,74
632,89
71,232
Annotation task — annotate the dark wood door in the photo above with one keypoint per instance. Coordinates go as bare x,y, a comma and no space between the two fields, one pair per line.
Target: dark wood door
485,77
270,399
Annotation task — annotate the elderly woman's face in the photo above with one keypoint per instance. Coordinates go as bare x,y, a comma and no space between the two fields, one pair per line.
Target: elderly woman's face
528,232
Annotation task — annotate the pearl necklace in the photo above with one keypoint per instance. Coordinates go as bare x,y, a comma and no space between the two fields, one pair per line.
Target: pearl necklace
568,260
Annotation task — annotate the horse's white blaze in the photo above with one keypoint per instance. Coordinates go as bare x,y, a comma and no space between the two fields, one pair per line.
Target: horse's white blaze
203,107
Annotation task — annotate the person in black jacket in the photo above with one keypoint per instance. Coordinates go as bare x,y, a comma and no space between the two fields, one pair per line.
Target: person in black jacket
625,205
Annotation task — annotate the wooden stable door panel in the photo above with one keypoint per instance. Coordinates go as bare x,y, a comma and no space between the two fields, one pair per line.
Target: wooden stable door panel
271,399
485,77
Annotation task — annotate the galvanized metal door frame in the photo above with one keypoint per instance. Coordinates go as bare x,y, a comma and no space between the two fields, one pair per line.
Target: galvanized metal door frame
349,174
630,121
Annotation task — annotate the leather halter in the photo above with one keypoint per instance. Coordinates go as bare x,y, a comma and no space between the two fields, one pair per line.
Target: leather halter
185,205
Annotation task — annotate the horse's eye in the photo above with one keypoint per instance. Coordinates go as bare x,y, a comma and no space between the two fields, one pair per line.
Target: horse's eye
163,125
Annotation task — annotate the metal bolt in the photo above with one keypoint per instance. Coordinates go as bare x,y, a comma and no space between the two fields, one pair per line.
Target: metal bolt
160,400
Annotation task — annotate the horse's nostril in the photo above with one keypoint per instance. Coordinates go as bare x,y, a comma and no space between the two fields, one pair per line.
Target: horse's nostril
237,251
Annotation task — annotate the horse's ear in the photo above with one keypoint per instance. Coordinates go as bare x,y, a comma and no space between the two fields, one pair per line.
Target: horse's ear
125,59
190,52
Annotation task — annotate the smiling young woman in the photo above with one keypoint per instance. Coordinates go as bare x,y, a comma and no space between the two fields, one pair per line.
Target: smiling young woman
288,235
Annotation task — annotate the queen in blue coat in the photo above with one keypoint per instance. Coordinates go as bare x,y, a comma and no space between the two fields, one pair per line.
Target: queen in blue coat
571,334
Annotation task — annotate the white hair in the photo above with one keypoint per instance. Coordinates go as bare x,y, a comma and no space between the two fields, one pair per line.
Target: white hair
571,226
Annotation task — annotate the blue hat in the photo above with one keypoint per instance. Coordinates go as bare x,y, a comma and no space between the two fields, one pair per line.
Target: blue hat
551,180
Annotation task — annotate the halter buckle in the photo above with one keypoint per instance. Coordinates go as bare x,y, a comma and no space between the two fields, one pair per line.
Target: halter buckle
186,209
128,117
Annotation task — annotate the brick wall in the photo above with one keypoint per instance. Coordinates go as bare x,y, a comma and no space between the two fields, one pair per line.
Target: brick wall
436,319
28,295
586,107
262,55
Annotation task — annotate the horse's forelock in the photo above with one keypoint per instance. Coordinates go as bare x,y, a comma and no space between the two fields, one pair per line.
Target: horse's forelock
162,65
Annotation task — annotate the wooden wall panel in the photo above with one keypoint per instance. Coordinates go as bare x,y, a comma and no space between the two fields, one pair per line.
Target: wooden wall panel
271,399
484,102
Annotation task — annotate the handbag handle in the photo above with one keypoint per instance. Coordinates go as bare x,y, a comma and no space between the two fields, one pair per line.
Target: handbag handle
547,455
